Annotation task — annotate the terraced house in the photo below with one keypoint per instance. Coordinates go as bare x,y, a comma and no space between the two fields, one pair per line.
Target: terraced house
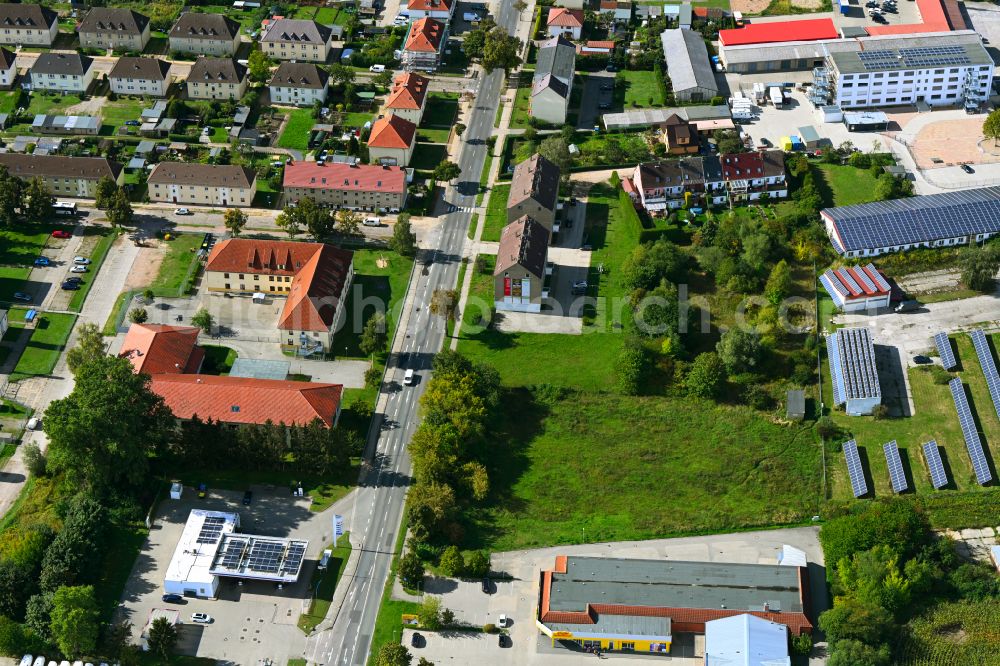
217,78
29,25
64,176
140,76
298,84
112,28
202,184
62,72
534,191
206,34
294,39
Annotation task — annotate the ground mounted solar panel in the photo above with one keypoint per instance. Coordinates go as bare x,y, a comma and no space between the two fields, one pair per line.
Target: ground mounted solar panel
945,351
896,474
988,365
969,431
939,479
854,468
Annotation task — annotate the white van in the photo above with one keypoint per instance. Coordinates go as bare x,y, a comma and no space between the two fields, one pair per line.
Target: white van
408,378
325,560
378,69
372,222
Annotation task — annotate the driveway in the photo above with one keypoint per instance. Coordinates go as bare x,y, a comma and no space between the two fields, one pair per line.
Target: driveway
590,112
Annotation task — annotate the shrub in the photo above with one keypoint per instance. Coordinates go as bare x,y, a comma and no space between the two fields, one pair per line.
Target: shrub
452,563
35,460
802,644
489,628
373,377
826,428
880,412
939,375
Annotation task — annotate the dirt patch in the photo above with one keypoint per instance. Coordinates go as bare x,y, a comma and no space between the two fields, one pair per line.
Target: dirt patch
930,282
90,107
382,262
952,142
953,633
749,6
145,267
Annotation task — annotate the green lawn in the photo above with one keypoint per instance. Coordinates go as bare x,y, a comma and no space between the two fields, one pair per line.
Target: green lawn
433,135
50,102
386,284
97,250
20,247
8,101
326,15
12,279
426,156
496,212
642,89
306,13
296,134
181,254
46,344
218,360
845,185
114,114
324,584
522,109
441,110
574,471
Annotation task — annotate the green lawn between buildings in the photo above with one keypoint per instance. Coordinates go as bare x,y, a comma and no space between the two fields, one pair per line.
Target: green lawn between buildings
46,343
496,212
642,89
296,134
181,253
845,185
324,584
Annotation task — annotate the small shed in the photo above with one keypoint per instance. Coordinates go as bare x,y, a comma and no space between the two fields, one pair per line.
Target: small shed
810,137
796,405
831,113
866,121
176,490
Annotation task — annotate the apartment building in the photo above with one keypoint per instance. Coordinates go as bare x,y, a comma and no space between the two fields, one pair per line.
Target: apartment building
392,141
298,84
534,191
205,34
424,45
8,68
62,72
64,176
202,184
140,76
408,97
355,186
113,28
217,78
28,25
294,39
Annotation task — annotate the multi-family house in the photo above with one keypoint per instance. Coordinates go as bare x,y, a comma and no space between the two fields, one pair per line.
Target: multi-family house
295,39
298,84
440,10
355,186
519,274
565,22
408,97
534,191
553,80
140,76
392,141
424,45
751,175
217,78
113,28
205,34
202,184
8,68
680,136
28,25
62,72
64,176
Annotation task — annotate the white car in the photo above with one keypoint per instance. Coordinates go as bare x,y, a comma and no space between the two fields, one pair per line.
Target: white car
503,621
201,618
26,660
78,269
81,260
182,211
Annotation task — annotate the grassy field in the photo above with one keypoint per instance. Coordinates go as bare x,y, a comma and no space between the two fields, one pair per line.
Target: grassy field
433,135
844,185
50,103
218,360
323,491
47,342
574,471
296,134
96,247
934,418
522,109
496,213
12,279
426,156
325,584
642,89
441,110
385,283
181,253
20,247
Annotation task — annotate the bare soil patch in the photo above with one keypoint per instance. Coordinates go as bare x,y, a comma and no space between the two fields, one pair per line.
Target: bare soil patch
146,267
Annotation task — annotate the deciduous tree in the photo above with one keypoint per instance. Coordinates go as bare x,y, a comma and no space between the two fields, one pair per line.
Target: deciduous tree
430,613
500,51
779,283
411,570
403,240
89,346
204,320
106,188
991,126
444,303
74,621
348,223
393,654
375,335
979,266
452,563
235,220
38,201
119,212
446,171
740,350
258,65
706,376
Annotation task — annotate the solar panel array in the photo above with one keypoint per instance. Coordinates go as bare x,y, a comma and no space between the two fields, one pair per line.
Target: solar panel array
272,558
989,366
265,556
972,442
896,474
928,56
852,364
854,469
916,219
293,558
233,554
939,479
877,277
945,351
211,529
865,280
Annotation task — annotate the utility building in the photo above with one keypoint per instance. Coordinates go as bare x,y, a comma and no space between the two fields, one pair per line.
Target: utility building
851,355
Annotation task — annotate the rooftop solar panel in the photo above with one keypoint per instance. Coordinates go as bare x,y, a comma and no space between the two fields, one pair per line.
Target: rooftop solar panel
945,351
896,474
972,442
988,365
934,465
865,280
877,278
211,529
854,468
851,282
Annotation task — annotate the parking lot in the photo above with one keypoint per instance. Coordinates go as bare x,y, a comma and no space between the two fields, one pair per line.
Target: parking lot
595,95
250,621
517,597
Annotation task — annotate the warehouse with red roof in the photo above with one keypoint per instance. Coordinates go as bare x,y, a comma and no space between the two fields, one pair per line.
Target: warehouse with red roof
805,30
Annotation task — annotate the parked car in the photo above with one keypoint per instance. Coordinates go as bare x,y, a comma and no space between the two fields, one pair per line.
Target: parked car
486,586
247,497
967,169
79,268
70,286
907,306
132,123
201,618
42,261
580,284
378,69
502,640
73,278
81,260
59,233
33,423
416,640
21,296
503,622
921,360
172,598
182,211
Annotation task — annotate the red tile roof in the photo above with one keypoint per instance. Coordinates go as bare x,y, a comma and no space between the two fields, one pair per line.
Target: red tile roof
425,35
158,348
780,31
429,5
609,44
244,400
321,271
392,132
337,176
566,18
408,92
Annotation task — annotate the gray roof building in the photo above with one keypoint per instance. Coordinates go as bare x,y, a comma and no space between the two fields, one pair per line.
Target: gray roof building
72,64
299,75
688,66
196,25
549,82
524,243
26,16
217,70
112,20
149,69
58,166
853,371
556,56
891,58
296,31
536,178
7,59
640,118
210,175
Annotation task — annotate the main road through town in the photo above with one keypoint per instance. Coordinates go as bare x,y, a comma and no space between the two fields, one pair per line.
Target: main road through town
375,522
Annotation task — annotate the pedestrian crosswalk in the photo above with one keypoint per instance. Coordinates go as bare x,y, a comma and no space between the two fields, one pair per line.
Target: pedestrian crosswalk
452,208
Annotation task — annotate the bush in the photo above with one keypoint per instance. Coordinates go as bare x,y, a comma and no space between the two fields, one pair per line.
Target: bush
880,412
452,563
939,375
373,377
489,628
802,644
35,460
827,429
755,396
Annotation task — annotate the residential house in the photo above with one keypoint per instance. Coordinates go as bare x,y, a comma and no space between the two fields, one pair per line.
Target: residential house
620,12
160,348
298,84
339,185
113,28
549,100
294,39
424,45
217,78
202,184
140,76
534,191
205,34
688,66
564,22
392,141
668,184
74,177
680,136
408,97
519,274
62,72
8,68
439,10
28,25
315,278
751,175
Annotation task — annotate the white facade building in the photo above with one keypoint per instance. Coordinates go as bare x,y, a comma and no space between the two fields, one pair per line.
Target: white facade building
188,571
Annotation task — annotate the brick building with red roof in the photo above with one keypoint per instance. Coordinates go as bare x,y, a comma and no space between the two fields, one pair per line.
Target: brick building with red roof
407,97
424,45
355,186
392,141
314,278
800,30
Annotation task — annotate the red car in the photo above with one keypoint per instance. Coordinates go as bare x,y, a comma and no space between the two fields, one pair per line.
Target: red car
59,233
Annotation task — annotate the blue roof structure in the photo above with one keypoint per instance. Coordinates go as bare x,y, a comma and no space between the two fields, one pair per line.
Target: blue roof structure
988,365
851,354
746,640
915,220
